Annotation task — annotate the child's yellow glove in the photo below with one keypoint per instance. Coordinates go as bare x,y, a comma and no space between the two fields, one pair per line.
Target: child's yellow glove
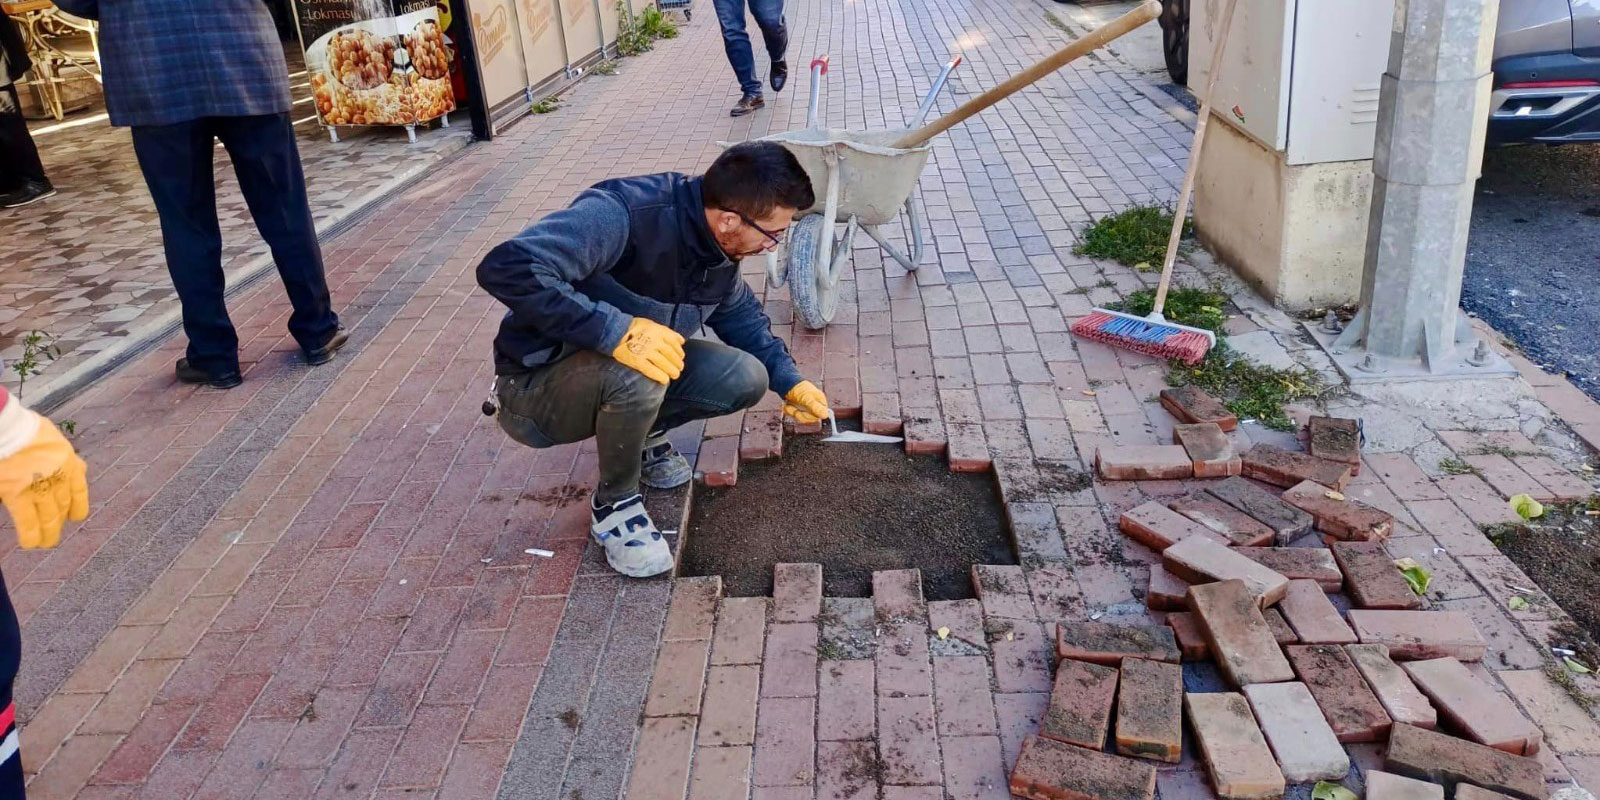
43,482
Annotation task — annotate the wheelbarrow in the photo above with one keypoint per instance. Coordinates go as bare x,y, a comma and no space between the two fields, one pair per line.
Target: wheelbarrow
858,177
867,179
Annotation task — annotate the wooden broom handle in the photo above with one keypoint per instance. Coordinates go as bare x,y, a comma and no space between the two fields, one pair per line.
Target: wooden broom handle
1181,213
1060,58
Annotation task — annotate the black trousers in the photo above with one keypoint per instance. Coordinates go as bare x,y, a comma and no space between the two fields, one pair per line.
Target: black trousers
19,158
177,165
11,780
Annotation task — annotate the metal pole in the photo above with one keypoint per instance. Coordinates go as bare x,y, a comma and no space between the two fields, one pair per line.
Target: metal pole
1432,112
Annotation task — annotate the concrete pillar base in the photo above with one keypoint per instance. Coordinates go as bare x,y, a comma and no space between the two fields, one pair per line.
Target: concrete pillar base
1296,233
1456,354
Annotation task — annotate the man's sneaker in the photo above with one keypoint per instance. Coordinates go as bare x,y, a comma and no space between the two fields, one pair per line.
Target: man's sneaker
31,192
634,546
779,75
746,105
664,467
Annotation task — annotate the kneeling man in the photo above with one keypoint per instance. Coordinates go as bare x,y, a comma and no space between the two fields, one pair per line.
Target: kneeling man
604,296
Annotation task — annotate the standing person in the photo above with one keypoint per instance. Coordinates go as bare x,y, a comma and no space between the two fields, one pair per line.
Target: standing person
183,75
22,178
603,296
42,484
769,18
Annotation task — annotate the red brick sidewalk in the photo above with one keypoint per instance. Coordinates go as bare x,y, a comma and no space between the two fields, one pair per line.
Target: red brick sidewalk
315,585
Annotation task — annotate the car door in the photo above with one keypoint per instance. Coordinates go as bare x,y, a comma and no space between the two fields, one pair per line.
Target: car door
1586,27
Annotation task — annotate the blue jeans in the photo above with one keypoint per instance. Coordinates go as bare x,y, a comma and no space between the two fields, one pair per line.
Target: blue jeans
177,166
769,18
590,394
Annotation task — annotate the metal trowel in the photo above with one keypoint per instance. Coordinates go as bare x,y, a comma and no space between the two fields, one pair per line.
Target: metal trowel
856,436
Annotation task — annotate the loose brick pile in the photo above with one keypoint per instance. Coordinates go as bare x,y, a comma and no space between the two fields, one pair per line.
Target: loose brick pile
1256,571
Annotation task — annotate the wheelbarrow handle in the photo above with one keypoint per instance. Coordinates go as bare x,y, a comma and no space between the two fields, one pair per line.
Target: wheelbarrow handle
933,92
819,68
1141,14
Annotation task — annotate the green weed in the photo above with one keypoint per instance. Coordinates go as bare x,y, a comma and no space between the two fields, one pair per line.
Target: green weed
547,105
1455,466
638,32
38,348
1248,389
1136,237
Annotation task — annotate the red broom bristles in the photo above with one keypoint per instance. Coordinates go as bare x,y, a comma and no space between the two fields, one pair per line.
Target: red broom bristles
1184,346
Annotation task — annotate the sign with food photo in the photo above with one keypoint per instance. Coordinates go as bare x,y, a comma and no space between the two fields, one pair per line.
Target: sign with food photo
376,62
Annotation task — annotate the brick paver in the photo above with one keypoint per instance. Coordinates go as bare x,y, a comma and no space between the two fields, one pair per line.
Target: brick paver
315,584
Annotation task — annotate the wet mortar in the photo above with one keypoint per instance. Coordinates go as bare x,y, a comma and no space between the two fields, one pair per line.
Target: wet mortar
854,509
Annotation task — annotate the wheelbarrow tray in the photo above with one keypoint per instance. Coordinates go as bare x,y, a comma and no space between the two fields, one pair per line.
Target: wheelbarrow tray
874,179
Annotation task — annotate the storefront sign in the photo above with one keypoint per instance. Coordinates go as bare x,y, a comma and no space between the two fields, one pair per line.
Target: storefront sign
376,62
494,29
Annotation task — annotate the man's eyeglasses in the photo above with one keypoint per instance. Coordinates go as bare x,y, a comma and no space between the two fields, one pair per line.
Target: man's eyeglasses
775,237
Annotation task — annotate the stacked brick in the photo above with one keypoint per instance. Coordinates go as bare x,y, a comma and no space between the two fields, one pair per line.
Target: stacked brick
1270,572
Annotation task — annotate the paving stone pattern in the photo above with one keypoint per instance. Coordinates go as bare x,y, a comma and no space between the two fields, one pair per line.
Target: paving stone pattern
315,585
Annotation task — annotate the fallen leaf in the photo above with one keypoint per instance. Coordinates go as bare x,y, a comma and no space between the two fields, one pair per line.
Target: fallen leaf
1516,603
1332,495
1526,507
1325,790
1415,574
1576,665
1089,393
944,633
1586,468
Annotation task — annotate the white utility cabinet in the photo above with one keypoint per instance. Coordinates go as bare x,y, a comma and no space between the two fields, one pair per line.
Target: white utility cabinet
1300,77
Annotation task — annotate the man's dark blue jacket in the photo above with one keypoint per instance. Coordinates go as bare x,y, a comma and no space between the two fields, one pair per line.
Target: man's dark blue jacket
629,247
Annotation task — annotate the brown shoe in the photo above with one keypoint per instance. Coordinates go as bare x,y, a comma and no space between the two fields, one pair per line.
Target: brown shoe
747,104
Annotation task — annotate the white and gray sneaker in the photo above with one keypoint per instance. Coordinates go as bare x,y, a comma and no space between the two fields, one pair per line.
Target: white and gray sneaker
664,467
633,544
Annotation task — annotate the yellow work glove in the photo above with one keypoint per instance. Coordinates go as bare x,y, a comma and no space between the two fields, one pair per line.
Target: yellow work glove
806,403
653,349
42,481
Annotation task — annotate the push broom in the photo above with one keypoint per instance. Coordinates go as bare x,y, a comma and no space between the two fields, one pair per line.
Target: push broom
1152,334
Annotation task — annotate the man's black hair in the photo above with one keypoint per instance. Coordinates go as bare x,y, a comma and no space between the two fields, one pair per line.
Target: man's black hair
753,178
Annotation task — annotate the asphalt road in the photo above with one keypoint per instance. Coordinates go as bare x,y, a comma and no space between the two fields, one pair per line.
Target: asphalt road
1533,256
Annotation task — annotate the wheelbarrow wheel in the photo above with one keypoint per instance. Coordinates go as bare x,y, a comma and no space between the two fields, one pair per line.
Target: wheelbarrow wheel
815,300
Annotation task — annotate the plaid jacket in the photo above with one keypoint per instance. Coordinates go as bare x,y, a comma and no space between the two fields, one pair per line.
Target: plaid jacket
170,61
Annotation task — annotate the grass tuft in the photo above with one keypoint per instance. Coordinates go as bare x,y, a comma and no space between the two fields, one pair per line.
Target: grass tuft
1135,238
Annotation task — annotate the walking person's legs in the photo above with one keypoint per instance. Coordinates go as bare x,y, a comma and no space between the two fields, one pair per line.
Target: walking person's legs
267,161
22,178
775,32
730,15
177,165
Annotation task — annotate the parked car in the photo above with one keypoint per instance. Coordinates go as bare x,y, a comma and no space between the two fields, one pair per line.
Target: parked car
1546,68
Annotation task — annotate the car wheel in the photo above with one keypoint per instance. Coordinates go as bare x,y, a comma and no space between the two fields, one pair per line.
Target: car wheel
1174,21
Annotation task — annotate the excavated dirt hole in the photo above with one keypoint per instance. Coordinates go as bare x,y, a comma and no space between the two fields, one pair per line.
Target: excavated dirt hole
854,509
